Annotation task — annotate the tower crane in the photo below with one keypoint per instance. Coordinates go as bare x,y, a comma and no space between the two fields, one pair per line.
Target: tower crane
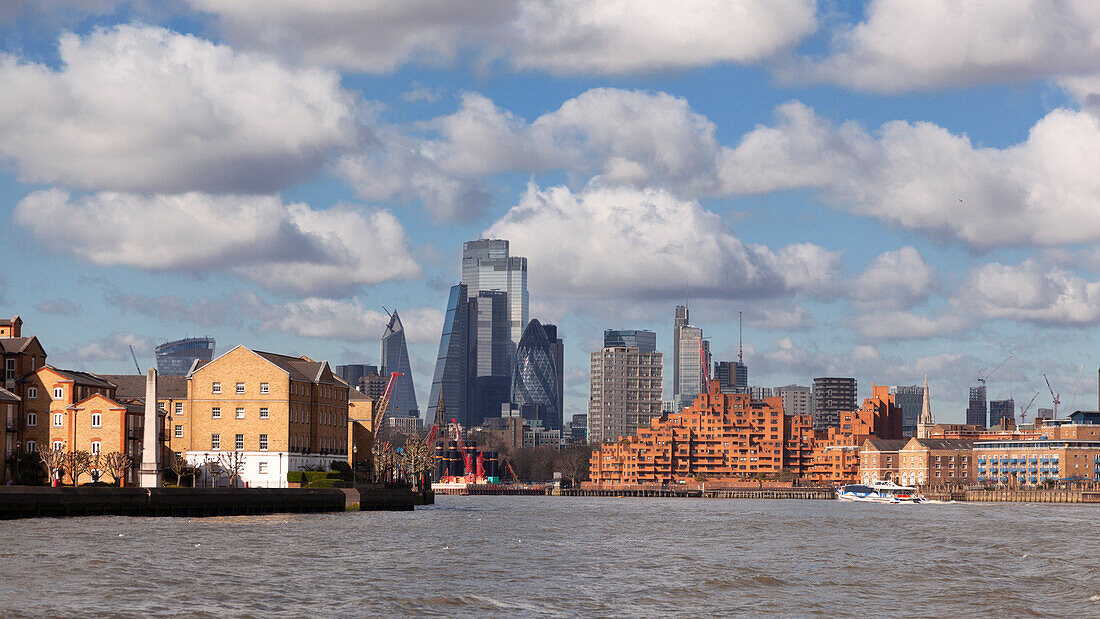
1052,395
981,378
384,403
1023,411
1076,384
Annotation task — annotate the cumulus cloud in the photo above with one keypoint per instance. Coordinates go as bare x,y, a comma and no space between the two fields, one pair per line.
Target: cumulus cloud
137,108
640,243
1027,292
922,177
898,325
902,46
203,311
283,247
559,36
114,347
895,280
349,320
61,306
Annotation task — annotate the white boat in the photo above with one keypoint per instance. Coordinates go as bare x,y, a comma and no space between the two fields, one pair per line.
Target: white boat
879,492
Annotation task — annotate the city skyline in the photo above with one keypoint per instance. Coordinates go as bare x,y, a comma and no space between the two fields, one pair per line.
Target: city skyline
878,211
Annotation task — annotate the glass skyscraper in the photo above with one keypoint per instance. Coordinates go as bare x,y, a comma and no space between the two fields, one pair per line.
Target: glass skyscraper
644,341
487,265
395,358
535,377
456,362
176,357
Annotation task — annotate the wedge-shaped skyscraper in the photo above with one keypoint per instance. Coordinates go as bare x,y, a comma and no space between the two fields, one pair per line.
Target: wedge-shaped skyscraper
395,358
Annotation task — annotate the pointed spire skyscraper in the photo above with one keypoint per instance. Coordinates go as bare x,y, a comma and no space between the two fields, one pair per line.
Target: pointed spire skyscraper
395,358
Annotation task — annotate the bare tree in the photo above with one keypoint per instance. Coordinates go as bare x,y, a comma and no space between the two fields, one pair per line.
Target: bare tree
95,465
116,464
382,461
213,469
179,466
417,457
573,463
232,462
77,462
53,460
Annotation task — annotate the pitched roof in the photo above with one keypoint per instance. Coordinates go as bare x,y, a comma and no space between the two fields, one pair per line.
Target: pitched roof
945,443
133,385
356,395
82,378
297,367
7,396
13,345
886,444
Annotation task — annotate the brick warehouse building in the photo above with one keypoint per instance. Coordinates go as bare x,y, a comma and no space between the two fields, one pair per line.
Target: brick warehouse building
730,436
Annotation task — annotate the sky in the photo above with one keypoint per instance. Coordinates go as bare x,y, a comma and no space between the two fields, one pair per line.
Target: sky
887,190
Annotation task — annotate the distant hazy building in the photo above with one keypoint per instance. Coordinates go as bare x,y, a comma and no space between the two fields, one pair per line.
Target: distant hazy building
454,380
395,358
176,357
832,396
1044,413
487,265
797,399
1001,409
732,376
579,428
625,391
353,373
976,411
910,398
557,351
535,378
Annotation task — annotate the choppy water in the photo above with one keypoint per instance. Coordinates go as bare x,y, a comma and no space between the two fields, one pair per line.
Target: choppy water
525,556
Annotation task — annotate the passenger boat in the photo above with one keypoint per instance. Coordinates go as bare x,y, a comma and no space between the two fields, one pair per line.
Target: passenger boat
879,492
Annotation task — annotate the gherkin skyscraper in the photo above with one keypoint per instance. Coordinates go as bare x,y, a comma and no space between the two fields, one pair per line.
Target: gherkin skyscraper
535,376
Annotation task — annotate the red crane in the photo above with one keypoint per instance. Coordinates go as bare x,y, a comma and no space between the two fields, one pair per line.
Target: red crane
384,403
462,448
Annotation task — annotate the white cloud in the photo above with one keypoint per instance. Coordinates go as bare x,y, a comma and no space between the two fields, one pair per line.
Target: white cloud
349,320
146,109
913,45
922,177
895,280
292,248
60,306
895,325
1027,292
114,347
560,36
640,243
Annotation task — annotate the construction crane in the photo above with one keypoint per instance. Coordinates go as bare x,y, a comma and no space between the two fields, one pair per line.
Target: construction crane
1076,384
1052,395
1023,411
383,403
136,365
462,448
983,375
511,470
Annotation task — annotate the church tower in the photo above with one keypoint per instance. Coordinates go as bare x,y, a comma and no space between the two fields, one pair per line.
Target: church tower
926,421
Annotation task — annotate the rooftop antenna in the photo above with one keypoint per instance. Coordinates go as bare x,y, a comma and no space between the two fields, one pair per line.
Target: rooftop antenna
740,341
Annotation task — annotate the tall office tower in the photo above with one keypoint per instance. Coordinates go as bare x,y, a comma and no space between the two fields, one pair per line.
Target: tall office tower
395,358
534,379
176,357
456,363
680,320
797,399
694,359
832,396
732,376
976,412
910,399
557,347
486,265
1001,409
353,373
625,389
495,355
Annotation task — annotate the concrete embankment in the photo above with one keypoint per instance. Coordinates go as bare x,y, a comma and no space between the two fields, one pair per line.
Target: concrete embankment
31,502
737,493
1017,495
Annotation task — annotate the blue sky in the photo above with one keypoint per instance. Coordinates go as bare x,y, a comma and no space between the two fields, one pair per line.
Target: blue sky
888,190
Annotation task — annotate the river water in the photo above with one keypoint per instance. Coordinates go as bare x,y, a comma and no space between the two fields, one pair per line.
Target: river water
557,556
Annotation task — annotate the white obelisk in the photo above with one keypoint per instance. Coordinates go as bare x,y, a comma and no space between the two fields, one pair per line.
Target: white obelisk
150,445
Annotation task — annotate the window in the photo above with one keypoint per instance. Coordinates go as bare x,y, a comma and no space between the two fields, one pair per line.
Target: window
179,408
95,447
240,387
263,468
58,393
240,413
32,446
97,420
58,445
58,420
32,419
216,412
263,388
215,441
9,369
263,442
263,413
32,393
238,443
216,388
179,432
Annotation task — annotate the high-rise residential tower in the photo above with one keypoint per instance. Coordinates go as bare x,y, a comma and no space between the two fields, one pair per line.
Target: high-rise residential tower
487,265
732,376
910,398
832,396
625,389
535,378
976,412
797,399
1001,409
176,357
456,363
395,358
